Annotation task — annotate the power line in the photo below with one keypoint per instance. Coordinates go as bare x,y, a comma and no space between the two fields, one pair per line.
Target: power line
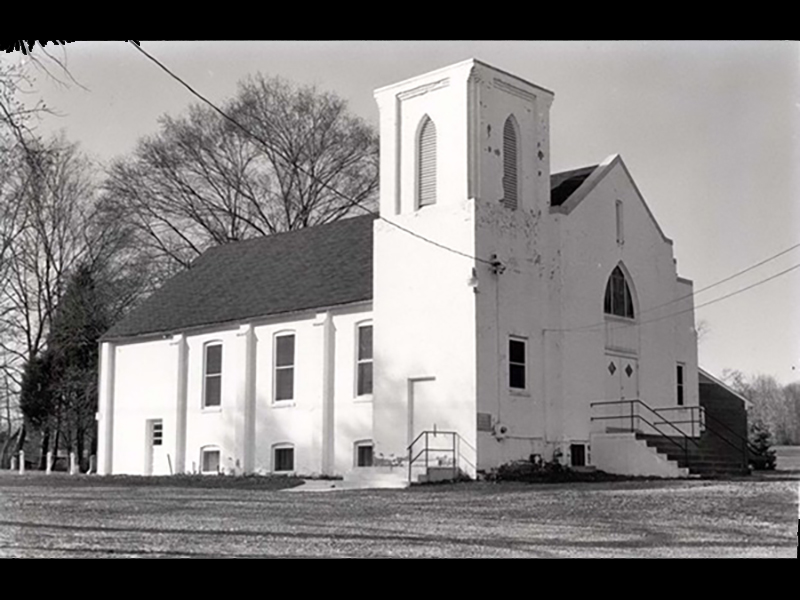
714,301
493,263
301,169
721,281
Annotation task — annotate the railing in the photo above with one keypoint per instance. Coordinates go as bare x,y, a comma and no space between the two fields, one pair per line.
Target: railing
634,418
714,426
457,443
701,421
697,423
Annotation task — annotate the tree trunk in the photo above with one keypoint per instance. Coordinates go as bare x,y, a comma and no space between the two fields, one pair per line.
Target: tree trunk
21,439
4,458
79,448
44,448
56,444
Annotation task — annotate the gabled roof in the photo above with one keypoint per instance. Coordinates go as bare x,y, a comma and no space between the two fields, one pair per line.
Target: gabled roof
324,266
563,184
706,378
588,182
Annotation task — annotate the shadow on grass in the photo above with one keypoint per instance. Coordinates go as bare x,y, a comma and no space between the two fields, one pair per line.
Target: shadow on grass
62,480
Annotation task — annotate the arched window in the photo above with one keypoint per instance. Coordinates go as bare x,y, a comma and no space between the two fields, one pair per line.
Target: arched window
426,163
510,163
618,300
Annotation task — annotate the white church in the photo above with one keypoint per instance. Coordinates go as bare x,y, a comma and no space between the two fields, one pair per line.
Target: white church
493,311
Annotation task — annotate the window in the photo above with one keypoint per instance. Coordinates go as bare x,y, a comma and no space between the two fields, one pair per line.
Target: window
577,453
516,363
510,162
284,367
426,163
209,460
620,232
212,390
283,459
364,361
157,432
618,300
680,385
364,454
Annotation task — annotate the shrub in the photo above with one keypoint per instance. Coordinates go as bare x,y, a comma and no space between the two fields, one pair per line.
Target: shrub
762,456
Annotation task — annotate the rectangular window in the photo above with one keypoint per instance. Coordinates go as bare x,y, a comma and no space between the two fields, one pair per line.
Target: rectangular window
364,360
680,385
284,459
210,461
212,390
577,453
516,364
620,231
158,432
364,455
284,367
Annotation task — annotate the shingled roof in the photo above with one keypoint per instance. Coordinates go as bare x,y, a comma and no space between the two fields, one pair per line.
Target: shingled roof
563,184
323,266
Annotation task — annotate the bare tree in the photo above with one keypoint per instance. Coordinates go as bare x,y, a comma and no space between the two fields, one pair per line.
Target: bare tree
288,157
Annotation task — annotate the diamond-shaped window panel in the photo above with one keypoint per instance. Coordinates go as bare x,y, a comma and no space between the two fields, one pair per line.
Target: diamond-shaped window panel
612,368
629,370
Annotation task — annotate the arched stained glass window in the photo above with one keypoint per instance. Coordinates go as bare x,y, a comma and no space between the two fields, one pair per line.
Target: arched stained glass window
618,300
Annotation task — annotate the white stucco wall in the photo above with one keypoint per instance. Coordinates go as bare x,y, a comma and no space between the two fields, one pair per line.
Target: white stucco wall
589,253
144,388
423,301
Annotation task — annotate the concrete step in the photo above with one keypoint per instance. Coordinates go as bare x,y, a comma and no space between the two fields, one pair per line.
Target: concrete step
379,477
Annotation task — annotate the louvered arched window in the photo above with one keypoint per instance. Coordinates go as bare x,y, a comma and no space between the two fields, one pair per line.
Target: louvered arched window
618,300
426,163
510,163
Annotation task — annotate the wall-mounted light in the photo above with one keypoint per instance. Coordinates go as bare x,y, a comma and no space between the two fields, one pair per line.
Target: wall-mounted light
473,280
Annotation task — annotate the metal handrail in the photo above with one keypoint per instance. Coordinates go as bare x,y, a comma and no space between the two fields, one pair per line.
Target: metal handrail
745,443
631,402
633,416
457,439
691,420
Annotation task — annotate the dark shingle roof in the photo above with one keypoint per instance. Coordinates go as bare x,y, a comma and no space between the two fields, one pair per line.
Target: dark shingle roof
309,268
322,266
563,184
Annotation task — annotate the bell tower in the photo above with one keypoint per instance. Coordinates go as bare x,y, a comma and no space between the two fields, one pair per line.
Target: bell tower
464,171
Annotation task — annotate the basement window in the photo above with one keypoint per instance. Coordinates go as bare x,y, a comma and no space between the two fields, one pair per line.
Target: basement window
364,454
577,453
283,459
210,461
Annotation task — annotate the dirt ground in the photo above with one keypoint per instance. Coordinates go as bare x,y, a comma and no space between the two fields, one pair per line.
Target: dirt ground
82,517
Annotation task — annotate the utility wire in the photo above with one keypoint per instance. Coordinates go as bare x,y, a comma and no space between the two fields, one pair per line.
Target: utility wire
721,281
714,301
351,201
493,263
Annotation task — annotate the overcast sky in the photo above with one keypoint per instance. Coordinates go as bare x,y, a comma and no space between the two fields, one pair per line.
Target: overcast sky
709,131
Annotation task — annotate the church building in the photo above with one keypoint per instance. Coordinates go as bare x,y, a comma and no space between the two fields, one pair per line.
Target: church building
491,311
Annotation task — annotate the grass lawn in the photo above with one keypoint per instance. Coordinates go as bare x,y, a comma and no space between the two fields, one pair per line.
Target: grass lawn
90,516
